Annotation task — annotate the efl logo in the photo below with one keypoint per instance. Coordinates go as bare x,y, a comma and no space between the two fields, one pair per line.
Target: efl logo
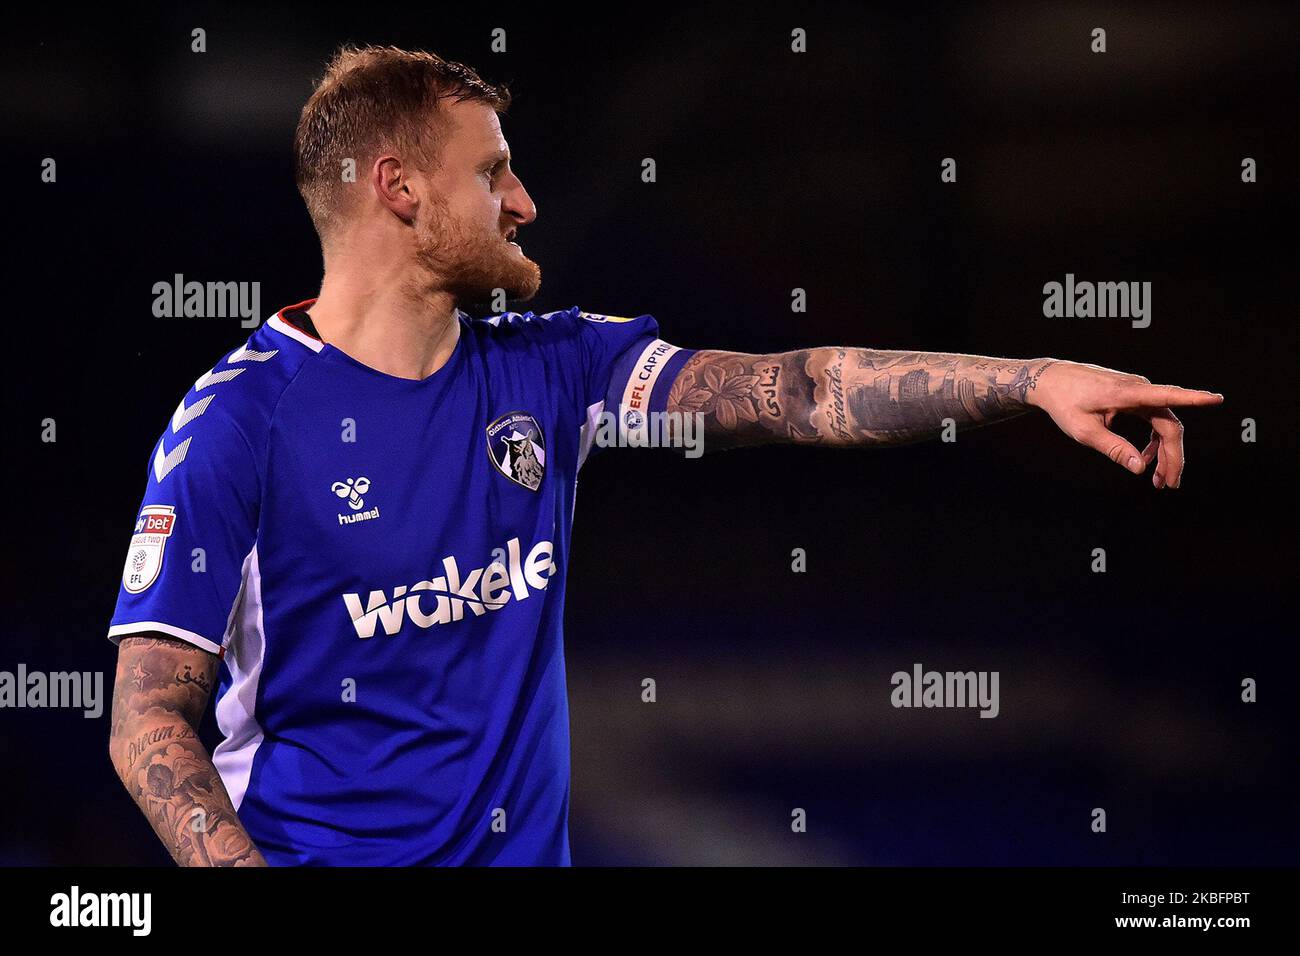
144,557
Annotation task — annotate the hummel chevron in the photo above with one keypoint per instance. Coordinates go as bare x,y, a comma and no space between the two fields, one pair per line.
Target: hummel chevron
163,464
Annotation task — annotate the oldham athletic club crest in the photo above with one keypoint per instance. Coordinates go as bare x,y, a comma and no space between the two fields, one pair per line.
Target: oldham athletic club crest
518,449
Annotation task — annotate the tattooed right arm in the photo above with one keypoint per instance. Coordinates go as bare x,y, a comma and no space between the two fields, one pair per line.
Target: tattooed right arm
162,688
849,397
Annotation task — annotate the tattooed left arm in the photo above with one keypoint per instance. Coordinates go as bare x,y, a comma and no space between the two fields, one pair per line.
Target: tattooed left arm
858,397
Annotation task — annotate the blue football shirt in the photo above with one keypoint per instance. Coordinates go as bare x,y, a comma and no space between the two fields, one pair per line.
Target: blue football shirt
380,563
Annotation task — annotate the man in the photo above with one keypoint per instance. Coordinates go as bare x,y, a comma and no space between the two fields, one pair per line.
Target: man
356,525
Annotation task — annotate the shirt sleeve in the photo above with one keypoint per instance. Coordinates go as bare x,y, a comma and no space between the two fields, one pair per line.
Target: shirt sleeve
629,371
193,539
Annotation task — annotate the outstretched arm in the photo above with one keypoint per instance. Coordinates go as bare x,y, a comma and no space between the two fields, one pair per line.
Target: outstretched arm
856,397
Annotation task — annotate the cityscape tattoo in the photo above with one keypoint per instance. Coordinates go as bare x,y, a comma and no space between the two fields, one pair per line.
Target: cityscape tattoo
848,396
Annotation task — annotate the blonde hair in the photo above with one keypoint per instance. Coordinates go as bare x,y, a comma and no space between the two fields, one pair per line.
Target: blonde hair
373,98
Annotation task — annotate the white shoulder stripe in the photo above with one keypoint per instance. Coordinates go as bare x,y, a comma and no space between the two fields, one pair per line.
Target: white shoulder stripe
163,461
213,377
284,328
245,354
163,464
183,416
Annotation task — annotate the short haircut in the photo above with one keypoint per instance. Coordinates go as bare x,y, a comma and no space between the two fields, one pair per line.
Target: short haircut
374,98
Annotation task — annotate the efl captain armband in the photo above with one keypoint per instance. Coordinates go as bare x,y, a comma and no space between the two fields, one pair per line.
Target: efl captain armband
636,408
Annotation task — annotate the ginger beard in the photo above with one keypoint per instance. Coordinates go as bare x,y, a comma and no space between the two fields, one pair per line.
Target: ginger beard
473,262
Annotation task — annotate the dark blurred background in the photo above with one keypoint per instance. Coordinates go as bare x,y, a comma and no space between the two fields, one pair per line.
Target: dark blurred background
776,170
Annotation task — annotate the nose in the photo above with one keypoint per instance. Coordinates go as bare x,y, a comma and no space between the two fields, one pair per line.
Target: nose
519,205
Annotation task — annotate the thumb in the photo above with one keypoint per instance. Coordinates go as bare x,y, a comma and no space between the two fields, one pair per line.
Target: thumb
1114,447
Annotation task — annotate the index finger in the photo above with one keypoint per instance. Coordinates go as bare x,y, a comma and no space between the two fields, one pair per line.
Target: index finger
1166,396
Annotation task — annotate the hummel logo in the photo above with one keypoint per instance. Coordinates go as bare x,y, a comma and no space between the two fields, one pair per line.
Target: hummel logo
352,489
